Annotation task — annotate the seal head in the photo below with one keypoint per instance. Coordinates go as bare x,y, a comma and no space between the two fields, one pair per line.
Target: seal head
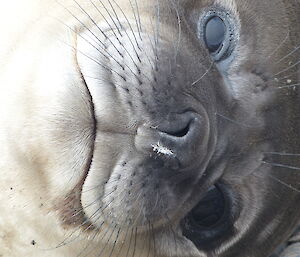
154,128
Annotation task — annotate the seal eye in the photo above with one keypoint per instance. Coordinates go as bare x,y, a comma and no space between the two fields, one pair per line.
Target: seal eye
210,219
218,31
214,34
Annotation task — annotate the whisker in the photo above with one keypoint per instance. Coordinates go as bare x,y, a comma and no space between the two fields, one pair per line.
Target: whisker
136,53
173,232
92,188
130,40
89,243
88,253
282,153
280,45
115,242
281,80
114,11
136,19
204,74
107,22
288,55
96,200
123,242
99,211
281,165
116,84
110,16
138,15
81,23
82,37
108,240
140,210
149,239
135,239
129,24
288,86
142,247
101,31
95,214
68,239
179,31
103,47
285,77
288,68
233,121
157,25
109,69
140,30
284,184
129,242
153,238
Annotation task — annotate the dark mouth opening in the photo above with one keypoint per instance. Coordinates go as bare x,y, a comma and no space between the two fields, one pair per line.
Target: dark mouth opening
209,220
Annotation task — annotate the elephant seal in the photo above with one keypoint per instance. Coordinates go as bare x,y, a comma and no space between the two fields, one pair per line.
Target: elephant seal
149,128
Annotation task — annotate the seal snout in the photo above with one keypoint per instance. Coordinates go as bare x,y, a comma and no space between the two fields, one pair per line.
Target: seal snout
181,137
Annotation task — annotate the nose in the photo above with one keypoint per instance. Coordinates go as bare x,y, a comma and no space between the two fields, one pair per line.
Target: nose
182,136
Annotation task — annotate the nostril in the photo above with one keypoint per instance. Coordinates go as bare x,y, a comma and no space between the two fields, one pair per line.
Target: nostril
182,132
178,129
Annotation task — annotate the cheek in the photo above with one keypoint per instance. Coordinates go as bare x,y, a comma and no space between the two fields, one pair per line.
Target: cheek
69,139
251,90
109,176
59,123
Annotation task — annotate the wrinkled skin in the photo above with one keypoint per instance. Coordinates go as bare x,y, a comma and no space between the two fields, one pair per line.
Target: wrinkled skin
115,122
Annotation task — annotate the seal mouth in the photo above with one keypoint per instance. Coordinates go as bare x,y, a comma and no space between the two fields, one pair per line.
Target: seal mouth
210,219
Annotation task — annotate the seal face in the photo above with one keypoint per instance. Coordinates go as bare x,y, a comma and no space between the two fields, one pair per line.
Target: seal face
150,128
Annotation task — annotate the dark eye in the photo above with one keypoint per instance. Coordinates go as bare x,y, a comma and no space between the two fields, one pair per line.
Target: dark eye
214,35
218,30
210,219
